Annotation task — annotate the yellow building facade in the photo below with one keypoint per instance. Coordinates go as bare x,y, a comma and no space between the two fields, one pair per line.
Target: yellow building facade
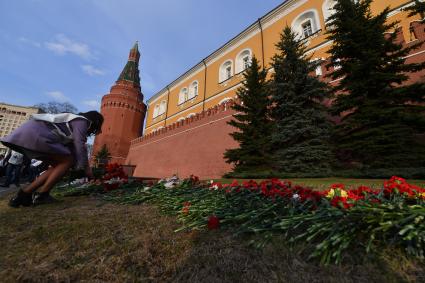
216,78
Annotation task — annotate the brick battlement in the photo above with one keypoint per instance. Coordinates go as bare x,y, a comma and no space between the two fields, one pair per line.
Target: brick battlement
205,115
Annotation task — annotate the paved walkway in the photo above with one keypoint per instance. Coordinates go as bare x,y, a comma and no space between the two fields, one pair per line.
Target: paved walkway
6,190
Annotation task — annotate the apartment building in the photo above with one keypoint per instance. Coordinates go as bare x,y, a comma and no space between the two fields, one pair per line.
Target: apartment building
11,117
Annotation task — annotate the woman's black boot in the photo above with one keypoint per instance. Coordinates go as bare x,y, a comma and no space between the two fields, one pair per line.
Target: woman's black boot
21,198
43,198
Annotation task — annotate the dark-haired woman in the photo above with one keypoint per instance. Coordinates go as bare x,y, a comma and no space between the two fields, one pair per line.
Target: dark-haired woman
59,140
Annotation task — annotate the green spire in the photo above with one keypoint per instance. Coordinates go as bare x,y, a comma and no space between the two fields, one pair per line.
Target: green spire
130,72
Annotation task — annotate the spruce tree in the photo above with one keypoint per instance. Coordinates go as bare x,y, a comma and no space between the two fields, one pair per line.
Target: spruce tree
417,9
253,125
103,155
302,130
381,116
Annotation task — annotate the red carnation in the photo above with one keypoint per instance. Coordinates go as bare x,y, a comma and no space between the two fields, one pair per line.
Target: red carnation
213,222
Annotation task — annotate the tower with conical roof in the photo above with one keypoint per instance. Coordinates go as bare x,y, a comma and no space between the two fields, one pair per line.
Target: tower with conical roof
123,110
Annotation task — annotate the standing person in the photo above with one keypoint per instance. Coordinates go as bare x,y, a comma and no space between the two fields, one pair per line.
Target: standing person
13,168
59,140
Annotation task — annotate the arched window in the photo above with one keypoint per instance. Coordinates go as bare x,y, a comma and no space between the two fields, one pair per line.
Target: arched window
180,119
328,9
243,60
191,115
306,24
156,111
193,90
226,71
224,100
162,107
318,69
183,95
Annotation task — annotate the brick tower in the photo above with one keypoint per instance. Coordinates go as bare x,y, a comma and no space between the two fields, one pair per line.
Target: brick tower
123,110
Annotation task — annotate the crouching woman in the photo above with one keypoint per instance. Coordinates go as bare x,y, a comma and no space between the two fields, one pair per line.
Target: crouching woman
59,140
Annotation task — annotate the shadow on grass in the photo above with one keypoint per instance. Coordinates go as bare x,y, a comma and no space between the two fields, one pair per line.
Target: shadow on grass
84,239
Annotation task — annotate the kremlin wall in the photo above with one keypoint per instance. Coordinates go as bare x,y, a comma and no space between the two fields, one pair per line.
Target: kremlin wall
186,129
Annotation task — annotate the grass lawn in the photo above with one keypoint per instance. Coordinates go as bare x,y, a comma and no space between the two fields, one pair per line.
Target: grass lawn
86,239
324,183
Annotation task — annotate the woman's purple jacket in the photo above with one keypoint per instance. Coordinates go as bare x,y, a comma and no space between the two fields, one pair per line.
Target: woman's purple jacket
37,136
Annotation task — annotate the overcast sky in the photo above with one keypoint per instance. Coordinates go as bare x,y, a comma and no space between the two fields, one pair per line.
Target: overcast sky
74,50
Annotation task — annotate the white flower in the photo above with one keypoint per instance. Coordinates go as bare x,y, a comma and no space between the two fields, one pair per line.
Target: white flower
169,185
79,181
215,187
296,196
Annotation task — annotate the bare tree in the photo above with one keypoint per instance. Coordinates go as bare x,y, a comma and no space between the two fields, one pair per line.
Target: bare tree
54,107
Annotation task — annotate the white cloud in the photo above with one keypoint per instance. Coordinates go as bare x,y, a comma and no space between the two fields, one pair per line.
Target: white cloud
63,45
92,103
58,96
30,42
92,71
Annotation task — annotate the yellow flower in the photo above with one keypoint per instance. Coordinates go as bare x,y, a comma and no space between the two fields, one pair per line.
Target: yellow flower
336,192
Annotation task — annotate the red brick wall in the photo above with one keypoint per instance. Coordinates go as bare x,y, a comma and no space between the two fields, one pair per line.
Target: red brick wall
194,146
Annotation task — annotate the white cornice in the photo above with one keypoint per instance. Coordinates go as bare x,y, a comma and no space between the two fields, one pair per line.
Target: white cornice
188,75
400,8
266,21
283,10
157,96
234,43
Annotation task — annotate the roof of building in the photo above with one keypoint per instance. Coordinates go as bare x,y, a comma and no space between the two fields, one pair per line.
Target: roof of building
130,72
14,105
211,55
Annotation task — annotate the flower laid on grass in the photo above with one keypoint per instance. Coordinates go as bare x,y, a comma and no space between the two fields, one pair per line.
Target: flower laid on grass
186,206
335,220
213,222
114,177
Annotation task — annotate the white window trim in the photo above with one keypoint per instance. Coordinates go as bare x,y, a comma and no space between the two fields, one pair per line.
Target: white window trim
225,100
239,60
162,107
191,90
183,95
222,74
156,111
191,115
318,70
315,22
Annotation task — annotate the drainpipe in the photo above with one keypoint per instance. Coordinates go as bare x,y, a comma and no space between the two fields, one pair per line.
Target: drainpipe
205,84
168,103
262,41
